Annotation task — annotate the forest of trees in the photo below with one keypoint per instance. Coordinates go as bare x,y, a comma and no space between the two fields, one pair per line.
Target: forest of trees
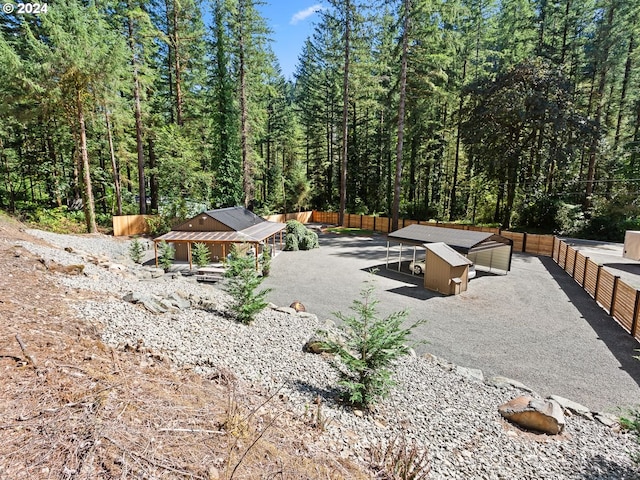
521,113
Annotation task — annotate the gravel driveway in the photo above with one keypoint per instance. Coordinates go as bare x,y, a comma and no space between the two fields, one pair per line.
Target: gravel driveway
535,325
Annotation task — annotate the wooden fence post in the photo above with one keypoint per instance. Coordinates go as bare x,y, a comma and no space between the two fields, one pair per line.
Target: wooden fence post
595,292
584,273
374,223
524,243
389,224
613,294
636,307
575,259
566,254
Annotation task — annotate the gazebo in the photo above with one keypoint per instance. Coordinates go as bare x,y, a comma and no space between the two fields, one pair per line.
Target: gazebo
219,230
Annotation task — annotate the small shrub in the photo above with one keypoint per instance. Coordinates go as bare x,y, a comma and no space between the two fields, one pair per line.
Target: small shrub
166,254
291,243
242,285
201,254
136,250
300,237
371,344
400,459
266,261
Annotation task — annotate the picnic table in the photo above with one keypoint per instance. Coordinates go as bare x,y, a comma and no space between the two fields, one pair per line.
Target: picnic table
210,274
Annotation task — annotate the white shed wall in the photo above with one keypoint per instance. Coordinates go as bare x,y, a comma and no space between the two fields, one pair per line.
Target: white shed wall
493,259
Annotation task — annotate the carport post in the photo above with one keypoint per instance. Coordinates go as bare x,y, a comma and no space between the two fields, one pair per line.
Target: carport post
400,257
387,254
155,251
414,260
189,255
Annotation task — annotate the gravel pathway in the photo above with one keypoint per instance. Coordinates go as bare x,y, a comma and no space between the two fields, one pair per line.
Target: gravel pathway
451,415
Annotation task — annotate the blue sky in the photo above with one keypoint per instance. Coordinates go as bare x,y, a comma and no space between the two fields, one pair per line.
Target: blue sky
291,22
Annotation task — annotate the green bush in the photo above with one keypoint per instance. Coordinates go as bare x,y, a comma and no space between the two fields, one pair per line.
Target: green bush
166,254
266,261
201,254
371,346
243,282
300,237
136,250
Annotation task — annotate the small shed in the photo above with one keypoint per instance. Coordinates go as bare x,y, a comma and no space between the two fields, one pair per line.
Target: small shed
219,230
631,245
447,271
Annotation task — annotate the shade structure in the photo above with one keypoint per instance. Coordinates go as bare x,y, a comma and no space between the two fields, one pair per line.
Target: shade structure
484,249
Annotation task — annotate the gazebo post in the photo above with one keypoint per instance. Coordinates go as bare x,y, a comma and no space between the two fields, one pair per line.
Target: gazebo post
400,257
155,251
255,249
189,255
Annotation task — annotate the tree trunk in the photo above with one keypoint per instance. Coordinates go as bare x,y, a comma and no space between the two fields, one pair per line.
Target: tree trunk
88,204
153,179
138,117
114,165
453,211
345,115
177,66
401,107
247,181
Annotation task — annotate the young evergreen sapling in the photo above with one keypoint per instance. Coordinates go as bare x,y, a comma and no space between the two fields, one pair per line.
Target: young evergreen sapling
371,345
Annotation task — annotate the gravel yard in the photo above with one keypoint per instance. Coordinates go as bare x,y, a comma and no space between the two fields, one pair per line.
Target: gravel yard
539,335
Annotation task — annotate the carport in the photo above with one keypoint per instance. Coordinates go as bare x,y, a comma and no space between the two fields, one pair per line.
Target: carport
487,250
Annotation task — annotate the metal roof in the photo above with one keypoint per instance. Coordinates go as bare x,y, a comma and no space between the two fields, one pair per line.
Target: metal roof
463,241
236,218
448,254
256,233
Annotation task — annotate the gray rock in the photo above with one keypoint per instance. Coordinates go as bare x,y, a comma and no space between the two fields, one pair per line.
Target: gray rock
499,381
289,310
316,345
471,373
573,407
179,301
607,419
154,272
534,414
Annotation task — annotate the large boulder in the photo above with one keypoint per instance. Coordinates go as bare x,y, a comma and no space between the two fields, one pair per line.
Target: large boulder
534,414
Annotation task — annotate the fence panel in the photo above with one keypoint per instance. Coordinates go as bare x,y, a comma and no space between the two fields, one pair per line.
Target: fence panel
579,269
539,244
367,222
562,254
591,278
130,225
570,257
624,305
517,239
605,289
556,249
382,224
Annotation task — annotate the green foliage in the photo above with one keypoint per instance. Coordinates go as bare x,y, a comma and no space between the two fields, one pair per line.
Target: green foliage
300,237
58,220
371,346
136,250
166,254
243,282
158,225
266,261
201,254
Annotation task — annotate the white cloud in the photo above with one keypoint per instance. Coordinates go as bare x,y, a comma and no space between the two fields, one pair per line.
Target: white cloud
306,13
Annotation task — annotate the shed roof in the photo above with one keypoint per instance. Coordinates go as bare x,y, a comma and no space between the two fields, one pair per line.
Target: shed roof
448,254
255,233
236,218
463,241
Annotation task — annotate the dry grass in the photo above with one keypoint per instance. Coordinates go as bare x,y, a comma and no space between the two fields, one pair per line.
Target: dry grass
73,408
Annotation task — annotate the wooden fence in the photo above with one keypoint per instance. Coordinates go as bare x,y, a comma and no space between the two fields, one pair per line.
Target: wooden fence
618,299
302,217
130,225
522,242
